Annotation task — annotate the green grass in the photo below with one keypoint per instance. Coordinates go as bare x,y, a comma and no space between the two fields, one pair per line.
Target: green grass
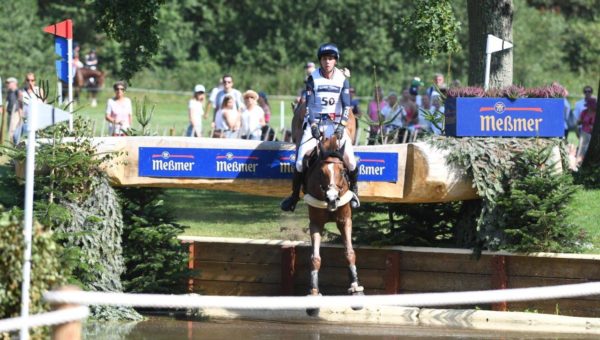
226,214
584,212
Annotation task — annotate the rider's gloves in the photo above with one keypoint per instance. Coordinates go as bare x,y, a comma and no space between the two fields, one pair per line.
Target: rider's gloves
339,132
314,129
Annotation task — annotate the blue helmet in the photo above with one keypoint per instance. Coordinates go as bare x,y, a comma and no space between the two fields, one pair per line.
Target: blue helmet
328,48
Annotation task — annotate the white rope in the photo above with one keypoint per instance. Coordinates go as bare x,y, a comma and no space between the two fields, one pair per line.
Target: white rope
45,319
302,302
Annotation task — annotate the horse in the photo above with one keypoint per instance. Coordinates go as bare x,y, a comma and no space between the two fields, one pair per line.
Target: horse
327,193
88,78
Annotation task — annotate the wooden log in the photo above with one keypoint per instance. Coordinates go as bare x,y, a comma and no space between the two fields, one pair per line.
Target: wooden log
423,175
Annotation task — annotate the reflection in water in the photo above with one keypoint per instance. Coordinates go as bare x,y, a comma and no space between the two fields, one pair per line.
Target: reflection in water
165,328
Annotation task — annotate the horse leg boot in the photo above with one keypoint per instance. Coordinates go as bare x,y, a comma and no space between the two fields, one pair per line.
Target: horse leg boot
353,178
289,204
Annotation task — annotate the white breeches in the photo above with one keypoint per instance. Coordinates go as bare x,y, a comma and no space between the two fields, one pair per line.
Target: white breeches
308,143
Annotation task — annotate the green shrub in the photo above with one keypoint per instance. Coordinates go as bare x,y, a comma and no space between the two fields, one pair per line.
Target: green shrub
533,207
46,269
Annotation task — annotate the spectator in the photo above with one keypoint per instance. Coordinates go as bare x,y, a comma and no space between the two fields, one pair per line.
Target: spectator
118,111
414,90
12,105
28,94
230,120
580,106
196,112
212,97
373,110
436,106
438,85
586,120
393,113
424,124
263,102
253,117
412,114
91,60
309,68
232,92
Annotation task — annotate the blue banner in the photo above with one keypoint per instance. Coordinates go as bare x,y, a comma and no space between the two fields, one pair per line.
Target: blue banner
249,164
62,66
502,117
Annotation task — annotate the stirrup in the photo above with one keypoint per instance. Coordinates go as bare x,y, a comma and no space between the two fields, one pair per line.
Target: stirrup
288,204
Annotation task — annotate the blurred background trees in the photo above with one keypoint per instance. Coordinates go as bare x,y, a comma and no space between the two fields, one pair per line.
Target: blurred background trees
176,43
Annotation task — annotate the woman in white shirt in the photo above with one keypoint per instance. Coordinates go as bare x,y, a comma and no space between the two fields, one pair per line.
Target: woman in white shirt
253,117
230,118
195,112
118,111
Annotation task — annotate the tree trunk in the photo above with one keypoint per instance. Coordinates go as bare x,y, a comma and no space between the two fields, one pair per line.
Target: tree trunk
591,159
490,17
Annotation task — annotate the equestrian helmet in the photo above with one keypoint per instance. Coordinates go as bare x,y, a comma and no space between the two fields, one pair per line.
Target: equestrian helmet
328,48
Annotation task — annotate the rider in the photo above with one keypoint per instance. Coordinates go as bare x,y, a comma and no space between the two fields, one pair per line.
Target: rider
327,108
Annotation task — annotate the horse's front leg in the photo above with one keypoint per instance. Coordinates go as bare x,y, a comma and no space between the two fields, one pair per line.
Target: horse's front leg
315,237
344,224
315,259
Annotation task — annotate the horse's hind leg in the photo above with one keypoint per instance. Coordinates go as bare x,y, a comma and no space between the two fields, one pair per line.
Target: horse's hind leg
315,237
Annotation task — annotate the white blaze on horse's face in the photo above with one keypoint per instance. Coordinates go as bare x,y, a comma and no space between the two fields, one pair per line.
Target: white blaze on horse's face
332,193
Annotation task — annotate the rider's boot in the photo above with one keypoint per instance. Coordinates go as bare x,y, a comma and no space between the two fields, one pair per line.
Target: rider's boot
353,178
289,204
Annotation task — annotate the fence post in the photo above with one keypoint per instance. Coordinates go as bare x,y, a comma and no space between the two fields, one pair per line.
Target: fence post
499,279
69,330
288,269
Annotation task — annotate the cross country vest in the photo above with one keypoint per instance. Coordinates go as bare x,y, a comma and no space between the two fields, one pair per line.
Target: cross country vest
327,94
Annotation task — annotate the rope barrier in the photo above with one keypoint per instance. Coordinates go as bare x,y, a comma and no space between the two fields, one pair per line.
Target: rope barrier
45,319
303,302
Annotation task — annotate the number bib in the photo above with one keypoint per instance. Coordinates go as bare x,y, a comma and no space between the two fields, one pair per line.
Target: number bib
327,93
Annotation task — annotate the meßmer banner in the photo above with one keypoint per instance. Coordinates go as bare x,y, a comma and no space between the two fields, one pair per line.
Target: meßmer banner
249,164
503,117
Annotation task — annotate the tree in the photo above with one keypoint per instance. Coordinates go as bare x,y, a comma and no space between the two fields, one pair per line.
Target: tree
490,17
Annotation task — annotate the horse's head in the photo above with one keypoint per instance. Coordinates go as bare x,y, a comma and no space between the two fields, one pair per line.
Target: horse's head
332,180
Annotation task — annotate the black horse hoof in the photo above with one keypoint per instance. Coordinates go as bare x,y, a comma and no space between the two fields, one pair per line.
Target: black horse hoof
313,312
288,204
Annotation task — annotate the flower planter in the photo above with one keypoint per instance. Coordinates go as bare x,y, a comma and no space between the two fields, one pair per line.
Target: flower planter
503,117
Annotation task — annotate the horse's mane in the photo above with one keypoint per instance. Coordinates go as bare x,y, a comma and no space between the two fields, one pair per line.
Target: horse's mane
329,148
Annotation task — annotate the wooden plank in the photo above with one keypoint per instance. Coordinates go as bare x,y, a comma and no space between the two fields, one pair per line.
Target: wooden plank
239,272
554,267
443,262
334,257
442,282
369,278
238,253
235,288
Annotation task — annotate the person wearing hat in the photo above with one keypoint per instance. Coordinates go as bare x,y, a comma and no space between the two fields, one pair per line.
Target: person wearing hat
253,116
196,112
327,111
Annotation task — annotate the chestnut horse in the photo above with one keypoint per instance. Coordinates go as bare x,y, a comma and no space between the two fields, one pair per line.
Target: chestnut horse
327,195
93,80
